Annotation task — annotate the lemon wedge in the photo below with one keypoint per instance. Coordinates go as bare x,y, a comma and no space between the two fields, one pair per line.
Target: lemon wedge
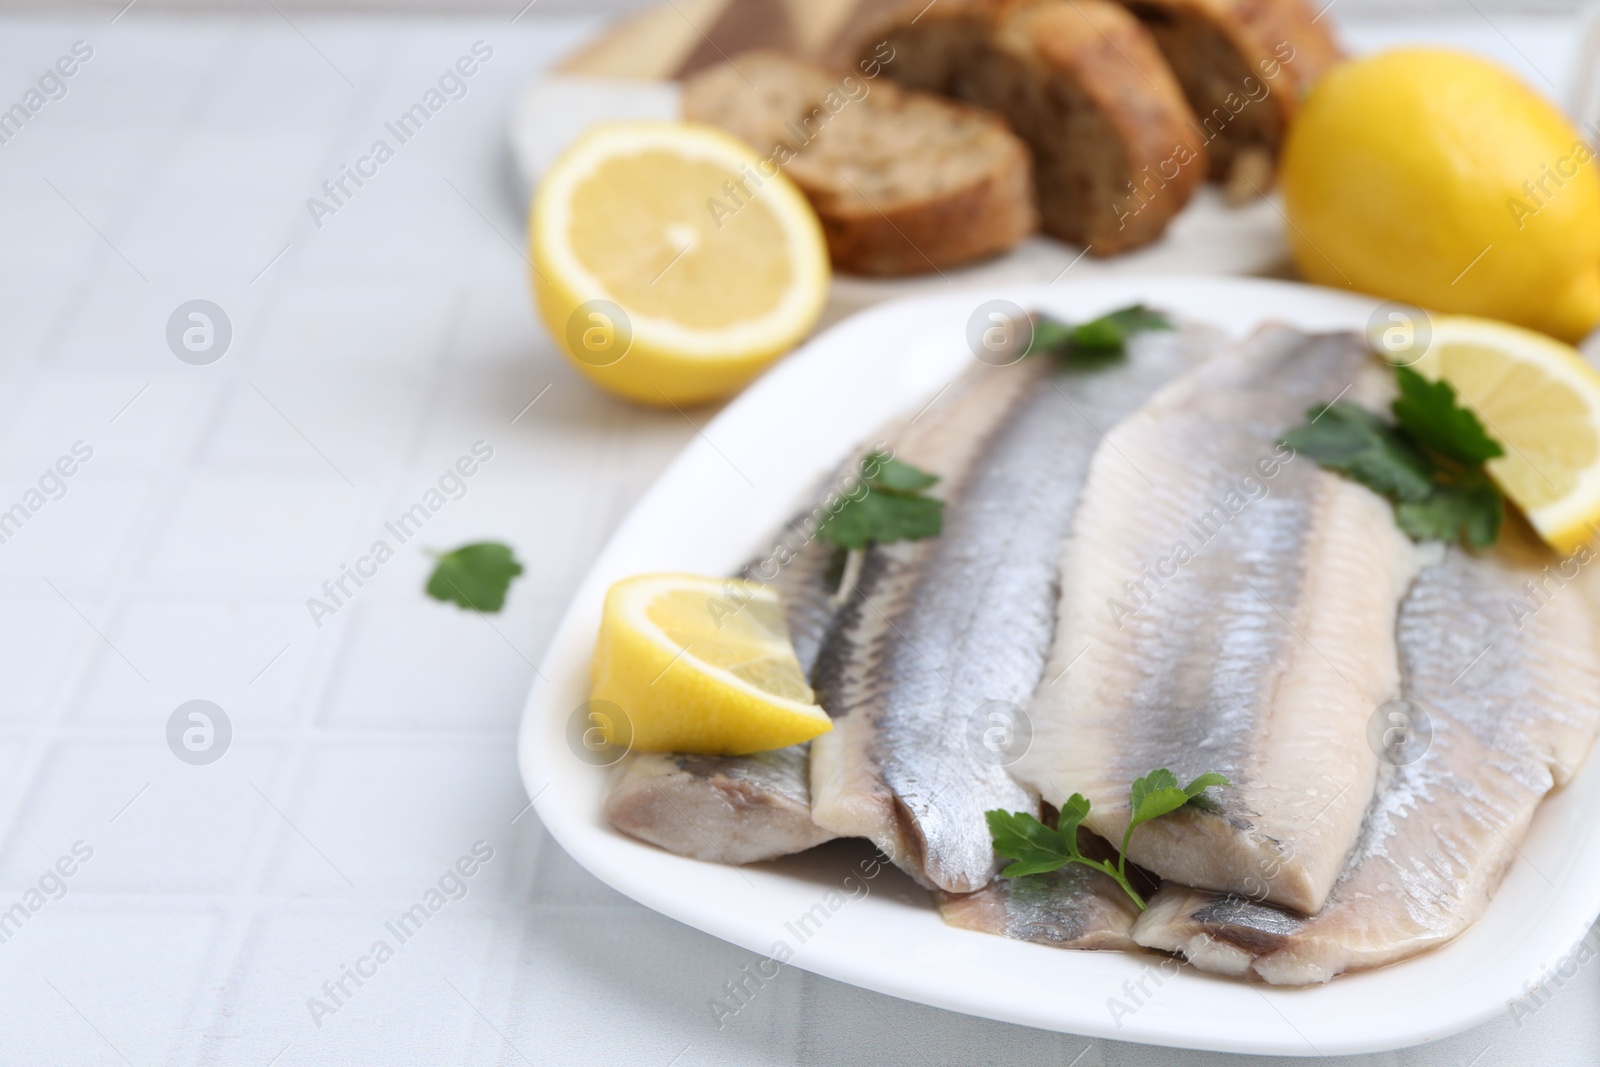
1541,401
702,665
669,266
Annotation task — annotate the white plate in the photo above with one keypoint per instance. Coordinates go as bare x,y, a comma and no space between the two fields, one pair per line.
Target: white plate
737,482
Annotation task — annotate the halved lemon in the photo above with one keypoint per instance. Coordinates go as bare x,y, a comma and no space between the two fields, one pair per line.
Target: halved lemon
668,263
702,665
1541,401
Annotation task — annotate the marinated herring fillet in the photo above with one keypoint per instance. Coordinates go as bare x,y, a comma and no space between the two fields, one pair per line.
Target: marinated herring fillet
936,630
738,809
723,809
1070,908
1073,907
744,809
1441,831
1228,608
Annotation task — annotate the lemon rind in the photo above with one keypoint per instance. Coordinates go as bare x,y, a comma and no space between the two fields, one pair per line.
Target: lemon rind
637,592
794,313
1561,521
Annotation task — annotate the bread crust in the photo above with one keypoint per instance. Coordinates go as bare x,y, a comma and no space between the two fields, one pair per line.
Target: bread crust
1116,148
1280,50
743,26
985,212
980,220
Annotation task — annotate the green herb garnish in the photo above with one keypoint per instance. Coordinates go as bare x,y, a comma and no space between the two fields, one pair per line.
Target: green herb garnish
1429,462
1105,337
475,576
887,505
891,504
1429,413
1039,850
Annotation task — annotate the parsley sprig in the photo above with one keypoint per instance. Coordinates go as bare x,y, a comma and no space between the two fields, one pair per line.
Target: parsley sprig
1038,849
1102,338
1428,462
474,576
893,506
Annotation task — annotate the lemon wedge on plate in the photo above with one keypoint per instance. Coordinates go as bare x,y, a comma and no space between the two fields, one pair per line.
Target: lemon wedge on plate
669,266
1541,401
702,665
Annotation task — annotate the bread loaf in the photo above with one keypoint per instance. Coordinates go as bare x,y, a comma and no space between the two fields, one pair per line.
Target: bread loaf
1116,150
1244,65
903,182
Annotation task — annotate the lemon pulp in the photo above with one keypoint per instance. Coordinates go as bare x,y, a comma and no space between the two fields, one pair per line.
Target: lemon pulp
702,665
667,266
1541,402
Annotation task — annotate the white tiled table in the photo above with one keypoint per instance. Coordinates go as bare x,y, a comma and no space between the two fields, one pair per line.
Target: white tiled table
372,752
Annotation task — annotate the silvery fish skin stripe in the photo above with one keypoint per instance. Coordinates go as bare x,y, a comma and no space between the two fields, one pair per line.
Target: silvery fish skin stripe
1514,707
938,629
744,809
740,809
1070,908
1228,607
1074,907
722,809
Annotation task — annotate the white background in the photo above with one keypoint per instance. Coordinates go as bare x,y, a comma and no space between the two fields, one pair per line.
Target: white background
372,752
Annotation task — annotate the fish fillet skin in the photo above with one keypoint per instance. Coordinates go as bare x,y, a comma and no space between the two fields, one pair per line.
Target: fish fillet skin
745,809
1070,908
725,809
1228,607
1073,907
938,629
1514,711
738,809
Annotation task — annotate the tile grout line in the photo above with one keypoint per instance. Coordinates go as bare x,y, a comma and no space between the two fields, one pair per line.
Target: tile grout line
229,944
34,372
217,968
47,730
149,523
320,680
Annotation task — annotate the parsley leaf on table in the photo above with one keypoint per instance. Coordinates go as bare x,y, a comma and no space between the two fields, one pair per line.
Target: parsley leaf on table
475,576
891,508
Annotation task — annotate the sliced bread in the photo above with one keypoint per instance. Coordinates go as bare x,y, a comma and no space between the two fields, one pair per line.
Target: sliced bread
903,182
1245,66
1115,146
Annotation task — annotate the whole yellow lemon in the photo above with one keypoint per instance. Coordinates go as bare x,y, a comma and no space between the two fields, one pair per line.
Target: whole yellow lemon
1438,178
